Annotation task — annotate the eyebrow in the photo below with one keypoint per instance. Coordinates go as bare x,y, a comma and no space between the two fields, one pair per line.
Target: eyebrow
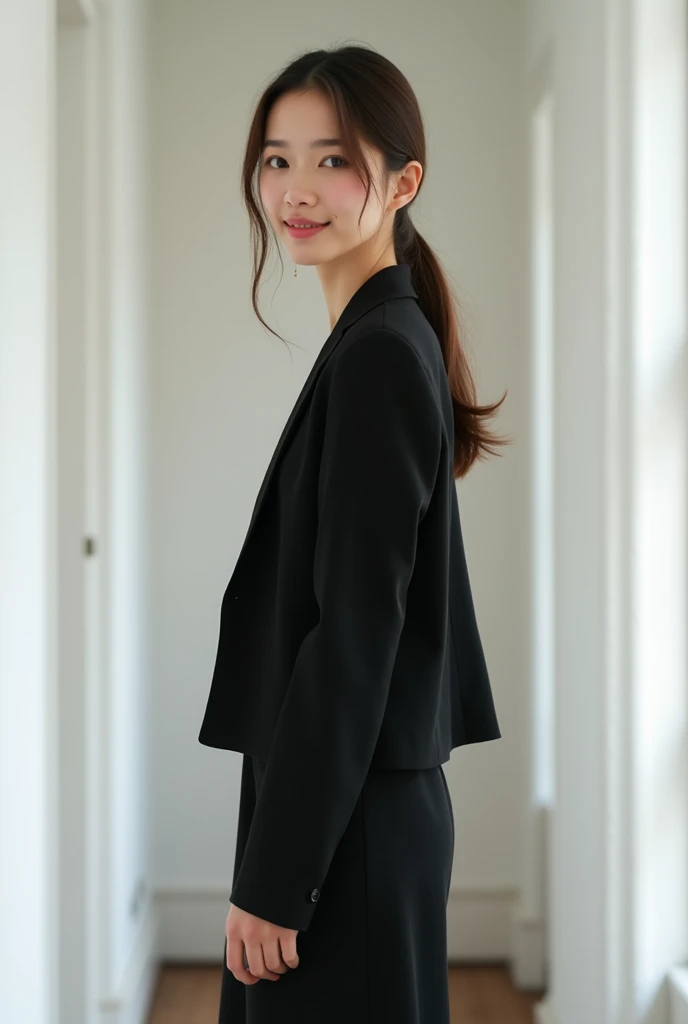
315,144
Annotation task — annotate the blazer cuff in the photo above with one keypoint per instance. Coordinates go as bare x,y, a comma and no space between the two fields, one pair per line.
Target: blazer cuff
282,903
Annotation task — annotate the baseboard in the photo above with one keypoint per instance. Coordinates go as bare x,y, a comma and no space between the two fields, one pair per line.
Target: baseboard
191,923
543,1013
132,1002
480,927
479,923
678,995
529,953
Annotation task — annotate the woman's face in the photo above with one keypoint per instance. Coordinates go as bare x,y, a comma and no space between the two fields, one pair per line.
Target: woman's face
316,183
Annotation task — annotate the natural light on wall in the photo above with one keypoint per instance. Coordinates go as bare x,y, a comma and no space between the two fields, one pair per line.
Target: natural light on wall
658,641
542,784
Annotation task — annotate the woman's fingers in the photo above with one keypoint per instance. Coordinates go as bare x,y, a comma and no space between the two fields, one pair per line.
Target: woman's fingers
256,949
235,960
256,961
289,953
273,956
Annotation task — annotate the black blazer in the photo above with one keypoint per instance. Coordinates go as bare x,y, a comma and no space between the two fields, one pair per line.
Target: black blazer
348,638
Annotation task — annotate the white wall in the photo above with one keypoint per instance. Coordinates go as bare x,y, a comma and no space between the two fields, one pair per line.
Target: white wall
28,742
221,389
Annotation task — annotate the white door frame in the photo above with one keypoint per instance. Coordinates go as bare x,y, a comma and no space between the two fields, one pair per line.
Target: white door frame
82,389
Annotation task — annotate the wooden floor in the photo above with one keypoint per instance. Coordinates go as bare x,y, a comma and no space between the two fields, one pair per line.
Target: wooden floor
479,995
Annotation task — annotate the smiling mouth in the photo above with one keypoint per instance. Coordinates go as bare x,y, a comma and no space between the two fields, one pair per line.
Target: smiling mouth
298,232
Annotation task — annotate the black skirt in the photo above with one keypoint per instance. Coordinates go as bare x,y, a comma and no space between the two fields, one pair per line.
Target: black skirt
376,947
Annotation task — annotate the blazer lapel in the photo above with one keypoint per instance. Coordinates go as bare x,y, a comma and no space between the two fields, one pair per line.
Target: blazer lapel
388,283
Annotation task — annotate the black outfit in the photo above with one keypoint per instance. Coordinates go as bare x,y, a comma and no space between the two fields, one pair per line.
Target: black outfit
376,949
349,665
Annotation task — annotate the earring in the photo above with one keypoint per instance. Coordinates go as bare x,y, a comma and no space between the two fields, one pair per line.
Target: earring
295,270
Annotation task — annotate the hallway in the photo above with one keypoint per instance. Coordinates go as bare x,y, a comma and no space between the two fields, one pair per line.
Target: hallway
141,398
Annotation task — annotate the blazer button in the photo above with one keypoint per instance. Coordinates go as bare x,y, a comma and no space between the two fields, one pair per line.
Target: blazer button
315,895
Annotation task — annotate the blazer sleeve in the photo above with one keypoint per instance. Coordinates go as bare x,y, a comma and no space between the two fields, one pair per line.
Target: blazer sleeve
380,456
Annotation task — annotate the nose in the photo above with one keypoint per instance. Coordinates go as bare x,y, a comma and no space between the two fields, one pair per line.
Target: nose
296,195
292,201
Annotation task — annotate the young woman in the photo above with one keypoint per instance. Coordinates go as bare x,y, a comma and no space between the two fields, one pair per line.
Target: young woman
349,662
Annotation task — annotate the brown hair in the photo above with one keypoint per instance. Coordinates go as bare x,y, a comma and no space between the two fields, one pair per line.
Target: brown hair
373,100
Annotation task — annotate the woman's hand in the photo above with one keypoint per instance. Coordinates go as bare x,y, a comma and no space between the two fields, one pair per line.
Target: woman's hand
270,949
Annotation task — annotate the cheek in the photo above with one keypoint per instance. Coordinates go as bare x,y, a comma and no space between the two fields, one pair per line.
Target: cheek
269,194
345,196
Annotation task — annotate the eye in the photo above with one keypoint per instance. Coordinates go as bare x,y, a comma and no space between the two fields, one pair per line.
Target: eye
267,163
